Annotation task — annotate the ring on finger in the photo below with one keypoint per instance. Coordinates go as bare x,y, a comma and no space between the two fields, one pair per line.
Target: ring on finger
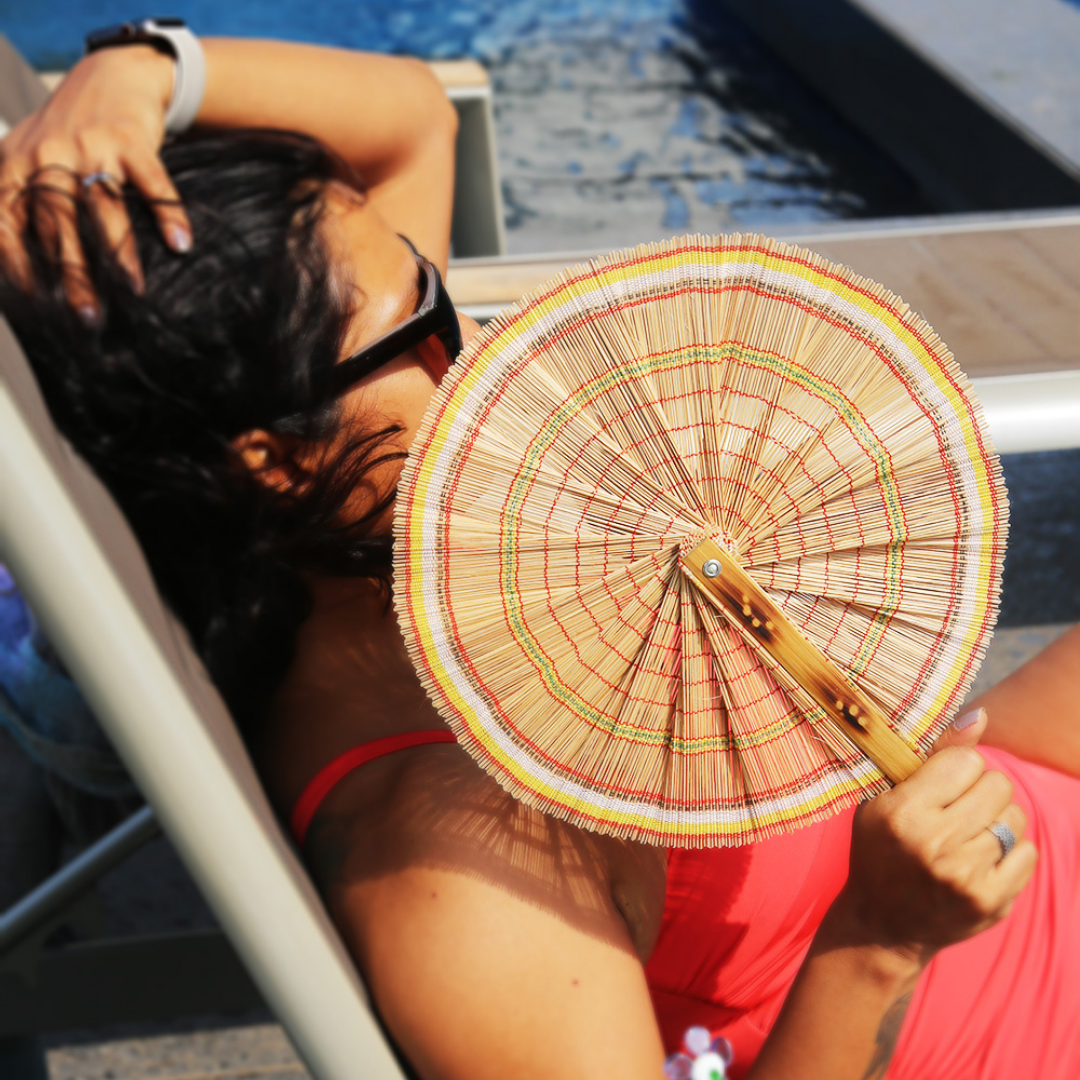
99,177
1004,836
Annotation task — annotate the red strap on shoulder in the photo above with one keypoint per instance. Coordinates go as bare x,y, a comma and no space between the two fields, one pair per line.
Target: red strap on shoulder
329,775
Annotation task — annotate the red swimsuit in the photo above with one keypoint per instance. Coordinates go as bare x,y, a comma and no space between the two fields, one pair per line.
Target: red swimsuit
329,775
738,922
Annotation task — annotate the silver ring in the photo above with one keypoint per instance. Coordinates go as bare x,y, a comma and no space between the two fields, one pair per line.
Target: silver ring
99,177
1005,836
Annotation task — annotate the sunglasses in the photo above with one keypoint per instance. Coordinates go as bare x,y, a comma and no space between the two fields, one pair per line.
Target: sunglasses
435,317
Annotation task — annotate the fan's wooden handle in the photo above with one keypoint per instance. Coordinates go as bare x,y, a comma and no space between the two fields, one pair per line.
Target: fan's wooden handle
742,601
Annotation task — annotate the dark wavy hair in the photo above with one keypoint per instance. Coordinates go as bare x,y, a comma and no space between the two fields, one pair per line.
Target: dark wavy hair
238,334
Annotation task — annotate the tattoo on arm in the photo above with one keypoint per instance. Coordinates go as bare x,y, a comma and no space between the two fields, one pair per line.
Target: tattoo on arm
885,1039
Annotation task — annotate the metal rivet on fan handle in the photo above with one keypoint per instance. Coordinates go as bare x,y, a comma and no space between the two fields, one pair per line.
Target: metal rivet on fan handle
710,568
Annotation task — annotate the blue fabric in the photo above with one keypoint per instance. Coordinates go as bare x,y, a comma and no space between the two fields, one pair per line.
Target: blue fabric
14,616
43,709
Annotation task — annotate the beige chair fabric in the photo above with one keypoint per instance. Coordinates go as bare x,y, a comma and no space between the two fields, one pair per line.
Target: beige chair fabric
21,91
81,569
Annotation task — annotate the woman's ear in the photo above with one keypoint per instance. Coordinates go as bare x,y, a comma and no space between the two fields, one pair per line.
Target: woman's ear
272,459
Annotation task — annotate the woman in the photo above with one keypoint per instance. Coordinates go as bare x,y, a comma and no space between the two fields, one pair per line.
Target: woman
496,942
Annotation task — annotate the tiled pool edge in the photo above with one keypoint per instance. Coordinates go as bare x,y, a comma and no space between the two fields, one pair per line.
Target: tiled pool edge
906,96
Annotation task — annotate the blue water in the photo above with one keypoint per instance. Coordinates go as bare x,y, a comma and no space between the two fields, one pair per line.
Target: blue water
50,34
616,122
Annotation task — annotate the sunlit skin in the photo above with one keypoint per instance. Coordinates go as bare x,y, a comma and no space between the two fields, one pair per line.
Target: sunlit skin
383,278
407,828
376,268
351,647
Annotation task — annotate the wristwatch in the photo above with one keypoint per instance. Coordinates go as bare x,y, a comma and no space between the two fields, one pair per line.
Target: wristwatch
171,36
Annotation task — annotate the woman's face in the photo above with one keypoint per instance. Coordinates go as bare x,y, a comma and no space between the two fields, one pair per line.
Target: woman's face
382,270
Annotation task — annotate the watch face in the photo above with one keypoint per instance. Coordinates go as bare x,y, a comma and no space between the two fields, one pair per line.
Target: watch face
110,35
145,31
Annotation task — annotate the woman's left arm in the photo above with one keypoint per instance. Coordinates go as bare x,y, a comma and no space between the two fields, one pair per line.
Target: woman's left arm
388,117
1035,712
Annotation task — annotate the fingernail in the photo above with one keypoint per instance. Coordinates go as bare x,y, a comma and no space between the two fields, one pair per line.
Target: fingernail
179,239
90,315
966,720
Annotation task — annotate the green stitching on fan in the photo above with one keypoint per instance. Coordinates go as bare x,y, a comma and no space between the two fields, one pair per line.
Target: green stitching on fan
644,366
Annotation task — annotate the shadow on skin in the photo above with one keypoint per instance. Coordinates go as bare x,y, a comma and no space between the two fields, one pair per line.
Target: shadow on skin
432,807
440,812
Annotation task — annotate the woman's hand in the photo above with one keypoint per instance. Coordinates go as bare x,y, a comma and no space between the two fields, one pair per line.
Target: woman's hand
387,117
926,872
106,117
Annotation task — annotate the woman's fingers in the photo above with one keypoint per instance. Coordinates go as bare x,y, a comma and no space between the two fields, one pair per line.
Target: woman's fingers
56,190
942,778
155,185
100,130
105,203
926,871
973,864
1003,876
968,800
103,191
971,860
966,730
13,258
1012,872
977,808
55,193
989,845
145,172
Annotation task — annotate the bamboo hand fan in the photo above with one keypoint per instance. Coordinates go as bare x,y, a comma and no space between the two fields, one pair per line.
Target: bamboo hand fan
700,542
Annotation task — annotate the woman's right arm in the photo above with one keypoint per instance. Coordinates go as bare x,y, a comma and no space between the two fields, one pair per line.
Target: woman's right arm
1035,711
387,117
925,873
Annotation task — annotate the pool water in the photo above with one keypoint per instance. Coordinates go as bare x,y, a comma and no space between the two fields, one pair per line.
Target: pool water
671,122
616,121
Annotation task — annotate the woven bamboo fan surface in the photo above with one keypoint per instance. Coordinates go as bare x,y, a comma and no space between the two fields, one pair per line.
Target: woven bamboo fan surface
725,395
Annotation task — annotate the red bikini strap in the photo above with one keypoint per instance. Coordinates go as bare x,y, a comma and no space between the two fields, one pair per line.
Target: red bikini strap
329,775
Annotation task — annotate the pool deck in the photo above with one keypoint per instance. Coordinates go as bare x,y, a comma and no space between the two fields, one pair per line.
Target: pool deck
976,99
1021,60
1002,290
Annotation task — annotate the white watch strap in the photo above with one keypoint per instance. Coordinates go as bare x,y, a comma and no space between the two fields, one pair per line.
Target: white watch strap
190,75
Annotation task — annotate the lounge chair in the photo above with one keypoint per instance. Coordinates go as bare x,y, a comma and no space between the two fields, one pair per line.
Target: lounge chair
1001,289
135,666
78,564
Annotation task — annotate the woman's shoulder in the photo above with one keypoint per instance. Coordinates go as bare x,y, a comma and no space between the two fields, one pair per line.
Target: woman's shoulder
468,912
430,814
391,823
350,682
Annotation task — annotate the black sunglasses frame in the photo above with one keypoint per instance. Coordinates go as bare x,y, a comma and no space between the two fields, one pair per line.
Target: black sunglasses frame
435,317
